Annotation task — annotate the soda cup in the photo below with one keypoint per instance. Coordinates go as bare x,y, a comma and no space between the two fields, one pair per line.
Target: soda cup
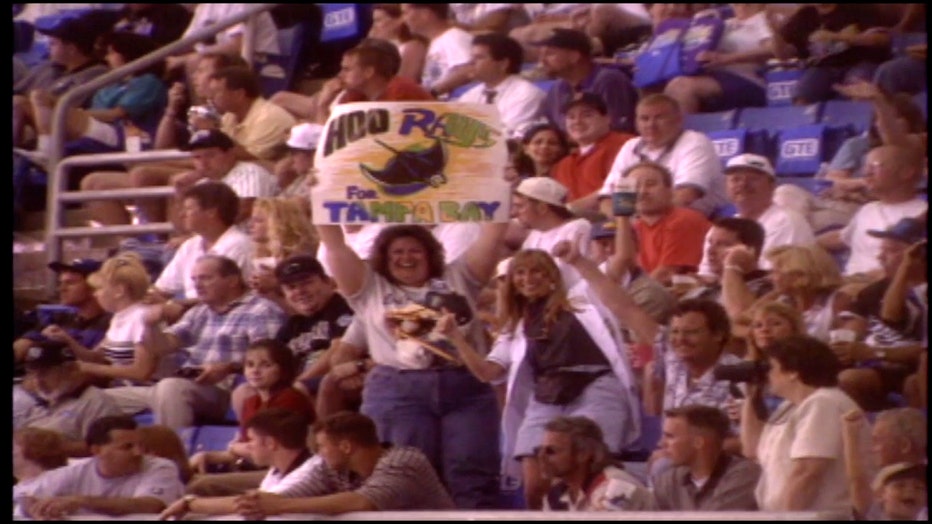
624,197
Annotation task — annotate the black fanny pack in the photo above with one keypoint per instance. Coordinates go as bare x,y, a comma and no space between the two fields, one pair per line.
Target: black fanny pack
562,387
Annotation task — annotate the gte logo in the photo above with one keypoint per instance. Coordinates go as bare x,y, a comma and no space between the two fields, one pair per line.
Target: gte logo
339,18
802,148
727,147
781,90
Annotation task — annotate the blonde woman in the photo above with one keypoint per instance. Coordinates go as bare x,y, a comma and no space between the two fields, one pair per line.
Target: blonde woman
772,321
279,228
806,278
560,359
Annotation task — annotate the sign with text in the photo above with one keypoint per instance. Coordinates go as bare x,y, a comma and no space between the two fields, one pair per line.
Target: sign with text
411,162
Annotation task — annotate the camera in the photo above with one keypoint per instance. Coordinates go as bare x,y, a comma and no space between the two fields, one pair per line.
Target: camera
454,302
189,372
754,371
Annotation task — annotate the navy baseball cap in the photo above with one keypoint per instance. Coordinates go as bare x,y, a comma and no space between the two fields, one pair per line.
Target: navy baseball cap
908,230
297,268
570,39
84,266
48,354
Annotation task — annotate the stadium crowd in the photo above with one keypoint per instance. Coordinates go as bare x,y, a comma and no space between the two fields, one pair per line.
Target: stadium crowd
656,327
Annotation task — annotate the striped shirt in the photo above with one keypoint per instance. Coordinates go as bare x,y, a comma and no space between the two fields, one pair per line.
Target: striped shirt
212,337
119,345
403,479
250,180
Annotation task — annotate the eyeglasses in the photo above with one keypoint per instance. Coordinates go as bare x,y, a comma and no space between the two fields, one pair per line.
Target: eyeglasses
546,450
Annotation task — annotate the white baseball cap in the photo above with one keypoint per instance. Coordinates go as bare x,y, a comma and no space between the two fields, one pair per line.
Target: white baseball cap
544,189
751,161
305,136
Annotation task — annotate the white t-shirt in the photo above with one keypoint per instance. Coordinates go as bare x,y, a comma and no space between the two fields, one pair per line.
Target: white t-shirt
275,482
782,227
874,216
456,238
119,344
570,230
517,100
158,479
810,430
741,36
692,160
450,49
266,34
176,277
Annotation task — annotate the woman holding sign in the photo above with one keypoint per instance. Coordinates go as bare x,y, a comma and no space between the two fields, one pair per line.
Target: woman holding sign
419,393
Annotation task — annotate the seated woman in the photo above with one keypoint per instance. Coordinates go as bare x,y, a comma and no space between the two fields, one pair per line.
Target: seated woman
545,145
132,106
387,24
559,358
279,229
730,76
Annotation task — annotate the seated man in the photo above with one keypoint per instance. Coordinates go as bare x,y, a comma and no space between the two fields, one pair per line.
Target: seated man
215,160
293,173
585,478
359,475
446,66
209,210
55,395
118,480
278,439
213,337
704,476
81,318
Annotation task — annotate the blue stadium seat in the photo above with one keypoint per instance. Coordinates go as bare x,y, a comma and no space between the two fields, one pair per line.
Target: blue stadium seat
341,21
708,122
651,430
764,123
276,72
800,150
144,418
844,119
188,437
728,143
213,438
545,85
461,90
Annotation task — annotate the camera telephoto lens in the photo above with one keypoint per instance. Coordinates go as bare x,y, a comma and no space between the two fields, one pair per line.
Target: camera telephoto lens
749,371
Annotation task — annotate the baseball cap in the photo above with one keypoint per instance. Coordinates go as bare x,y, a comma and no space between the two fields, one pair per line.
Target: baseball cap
570,39
544,189
751,161
209,138
47,354
84,266
297,268
604,229
908,230
588,99
305,136
897,471
78,29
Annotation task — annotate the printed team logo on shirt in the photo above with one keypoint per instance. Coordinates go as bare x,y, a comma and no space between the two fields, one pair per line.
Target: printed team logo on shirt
344,320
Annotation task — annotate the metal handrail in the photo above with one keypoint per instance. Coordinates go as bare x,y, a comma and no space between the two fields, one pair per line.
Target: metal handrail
57,166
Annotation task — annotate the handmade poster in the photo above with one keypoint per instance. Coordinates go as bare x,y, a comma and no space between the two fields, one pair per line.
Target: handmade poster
411,162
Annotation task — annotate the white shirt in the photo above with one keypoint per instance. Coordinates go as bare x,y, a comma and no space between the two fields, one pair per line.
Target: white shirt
782,227
874,216
275,482
250,180
456,238
741,36
470,13
692,160
176,277
577,229
266,34
517,100
450,49
158,479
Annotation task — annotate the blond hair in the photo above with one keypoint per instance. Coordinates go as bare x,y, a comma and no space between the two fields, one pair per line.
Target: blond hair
782,310
816,268
124,269
513,306
289,228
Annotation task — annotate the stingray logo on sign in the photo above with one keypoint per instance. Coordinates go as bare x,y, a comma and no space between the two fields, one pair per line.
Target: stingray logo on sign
340,21
802,148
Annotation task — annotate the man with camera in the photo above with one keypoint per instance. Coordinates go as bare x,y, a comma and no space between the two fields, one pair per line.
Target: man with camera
214,334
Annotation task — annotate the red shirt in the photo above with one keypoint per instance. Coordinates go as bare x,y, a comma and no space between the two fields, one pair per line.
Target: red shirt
583,174
674,240
288,398
398,90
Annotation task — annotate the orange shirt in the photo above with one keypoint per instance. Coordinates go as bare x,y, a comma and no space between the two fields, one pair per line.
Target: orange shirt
675,240
398,90
583,174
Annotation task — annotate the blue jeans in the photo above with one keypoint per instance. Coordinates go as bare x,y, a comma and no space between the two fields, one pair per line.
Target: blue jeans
816,83
449,415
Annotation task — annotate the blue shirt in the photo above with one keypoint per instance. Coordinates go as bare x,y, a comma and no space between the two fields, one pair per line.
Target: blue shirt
612,85
142,97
